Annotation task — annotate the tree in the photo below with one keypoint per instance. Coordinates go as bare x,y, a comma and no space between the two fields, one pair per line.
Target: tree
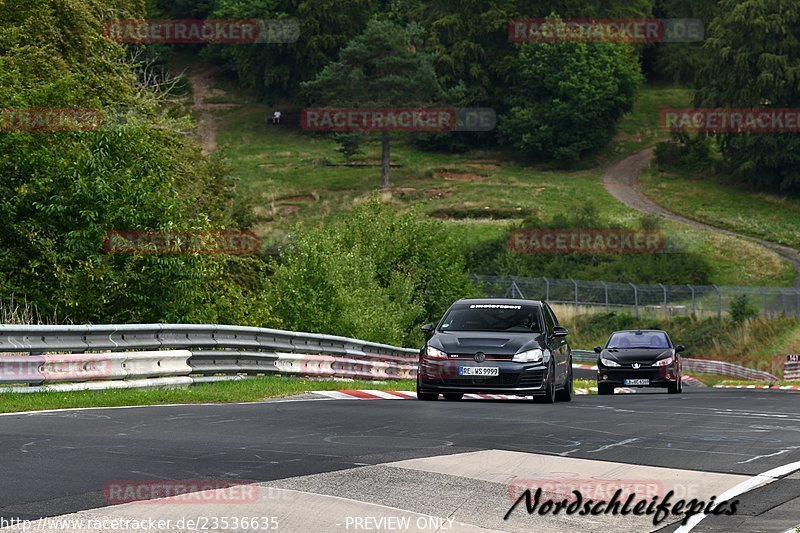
60,192
567,97
379,69
754,61
275,70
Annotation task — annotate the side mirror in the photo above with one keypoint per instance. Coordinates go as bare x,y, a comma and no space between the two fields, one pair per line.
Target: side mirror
560,331
427,329
679,348
598,349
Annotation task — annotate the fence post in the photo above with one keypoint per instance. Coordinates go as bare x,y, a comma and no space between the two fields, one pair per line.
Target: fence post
797,293
719,302
635,300
691,288
605,286
666,312
764,300
576,293
547,289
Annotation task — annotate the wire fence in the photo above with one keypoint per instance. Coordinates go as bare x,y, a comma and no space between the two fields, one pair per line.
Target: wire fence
643,300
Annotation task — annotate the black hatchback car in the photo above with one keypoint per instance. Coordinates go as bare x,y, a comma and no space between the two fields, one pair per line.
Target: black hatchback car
640,358
496,346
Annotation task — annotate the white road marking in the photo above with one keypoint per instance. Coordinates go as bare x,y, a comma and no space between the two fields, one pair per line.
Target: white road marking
756,481
607,446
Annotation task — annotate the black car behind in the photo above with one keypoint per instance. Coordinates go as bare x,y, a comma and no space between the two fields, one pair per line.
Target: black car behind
496,346
640,358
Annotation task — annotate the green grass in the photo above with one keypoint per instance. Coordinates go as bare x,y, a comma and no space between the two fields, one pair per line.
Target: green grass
284,180
249,390
719,202
642,126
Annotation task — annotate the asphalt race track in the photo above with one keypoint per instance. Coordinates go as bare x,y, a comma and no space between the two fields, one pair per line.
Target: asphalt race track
326,464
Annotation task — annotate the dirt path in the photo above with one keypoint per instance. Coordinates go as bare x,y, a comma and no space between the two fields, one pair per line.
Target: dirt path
206,123
621,180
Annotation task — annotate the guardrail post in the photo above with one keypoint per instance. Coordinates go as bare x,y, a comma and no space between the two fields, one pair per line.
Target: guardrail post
797,293
719,302
605,287
666,312
691,288
635,300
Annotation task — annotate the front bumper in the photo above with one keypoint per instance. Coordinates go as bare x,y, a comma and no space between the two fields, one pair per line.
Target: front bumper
658,376
523,379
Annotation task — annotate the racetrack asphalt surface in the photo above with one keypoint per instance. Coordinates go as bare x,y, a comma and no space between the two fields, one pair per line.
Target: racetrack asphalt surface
54,463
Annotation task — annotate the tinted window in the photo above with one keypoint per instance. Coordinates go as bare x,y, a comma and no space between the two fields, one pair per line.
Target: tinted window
493,317
638,339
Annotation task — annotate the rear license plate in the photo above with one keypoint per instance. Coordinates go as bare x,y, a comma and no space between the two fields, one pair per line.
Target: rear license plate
637,382
478,371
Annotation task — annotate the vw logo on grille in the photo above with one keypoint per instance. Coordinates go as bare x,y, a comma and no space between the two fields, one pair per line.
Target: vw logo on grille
480,357
636,365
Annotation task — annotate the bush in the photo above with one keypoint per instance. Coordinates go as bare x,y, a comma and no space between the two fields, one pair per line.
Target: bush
568,97
741,310
684,151
492,257
376,276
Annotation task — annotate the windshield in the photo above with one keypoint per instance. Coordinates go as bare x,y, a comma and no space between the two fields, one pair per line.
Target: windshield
638,339
493,317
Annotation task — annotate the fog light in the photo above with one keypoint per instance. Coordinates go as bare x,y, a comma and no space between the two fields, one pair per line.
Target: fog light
605,376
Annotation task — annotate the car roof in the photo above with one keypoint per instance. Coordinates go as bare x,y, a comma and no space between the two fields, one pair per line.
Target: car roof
642,330
499,301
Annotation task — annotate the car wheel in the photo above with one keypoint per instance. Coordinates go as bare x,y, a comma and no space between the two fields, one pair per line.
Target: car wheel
565,394
604,389
426,396
550,387
453,396
673,388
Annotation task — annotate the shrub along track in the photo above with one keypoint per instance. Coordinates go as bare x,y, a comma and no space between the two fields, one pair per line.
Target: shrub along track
621,181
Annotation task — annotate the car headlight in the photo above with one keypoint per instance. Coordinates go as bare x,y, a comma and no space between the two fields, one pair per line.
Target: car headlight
608,362
664,362
531,356
435,353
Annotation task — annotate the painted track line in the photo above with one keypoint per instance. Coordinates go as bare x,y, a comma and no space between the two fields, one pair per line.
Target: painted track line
760,480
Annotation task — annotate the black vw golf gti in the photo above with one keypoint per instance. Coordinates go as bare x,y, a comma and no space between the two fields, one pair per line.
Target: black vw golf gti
641,358
496,346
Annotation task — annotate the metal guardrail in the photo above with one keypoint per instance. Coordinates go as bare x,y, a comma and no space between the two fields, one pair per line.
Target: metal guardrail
212,353
141,355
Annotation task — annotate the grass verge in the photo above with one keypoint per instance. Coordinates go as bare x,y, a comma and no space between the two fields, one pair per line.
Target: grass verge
248,390
713,200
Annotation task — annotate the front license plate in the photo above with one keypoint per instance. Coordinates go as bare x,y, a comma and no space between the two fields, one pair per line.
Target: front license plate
637,382
478,371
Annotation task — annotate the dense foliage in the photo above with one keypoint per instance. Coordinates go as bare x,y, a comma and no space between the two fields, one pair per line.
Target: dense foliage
60,192
674,265
753,49
376,276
